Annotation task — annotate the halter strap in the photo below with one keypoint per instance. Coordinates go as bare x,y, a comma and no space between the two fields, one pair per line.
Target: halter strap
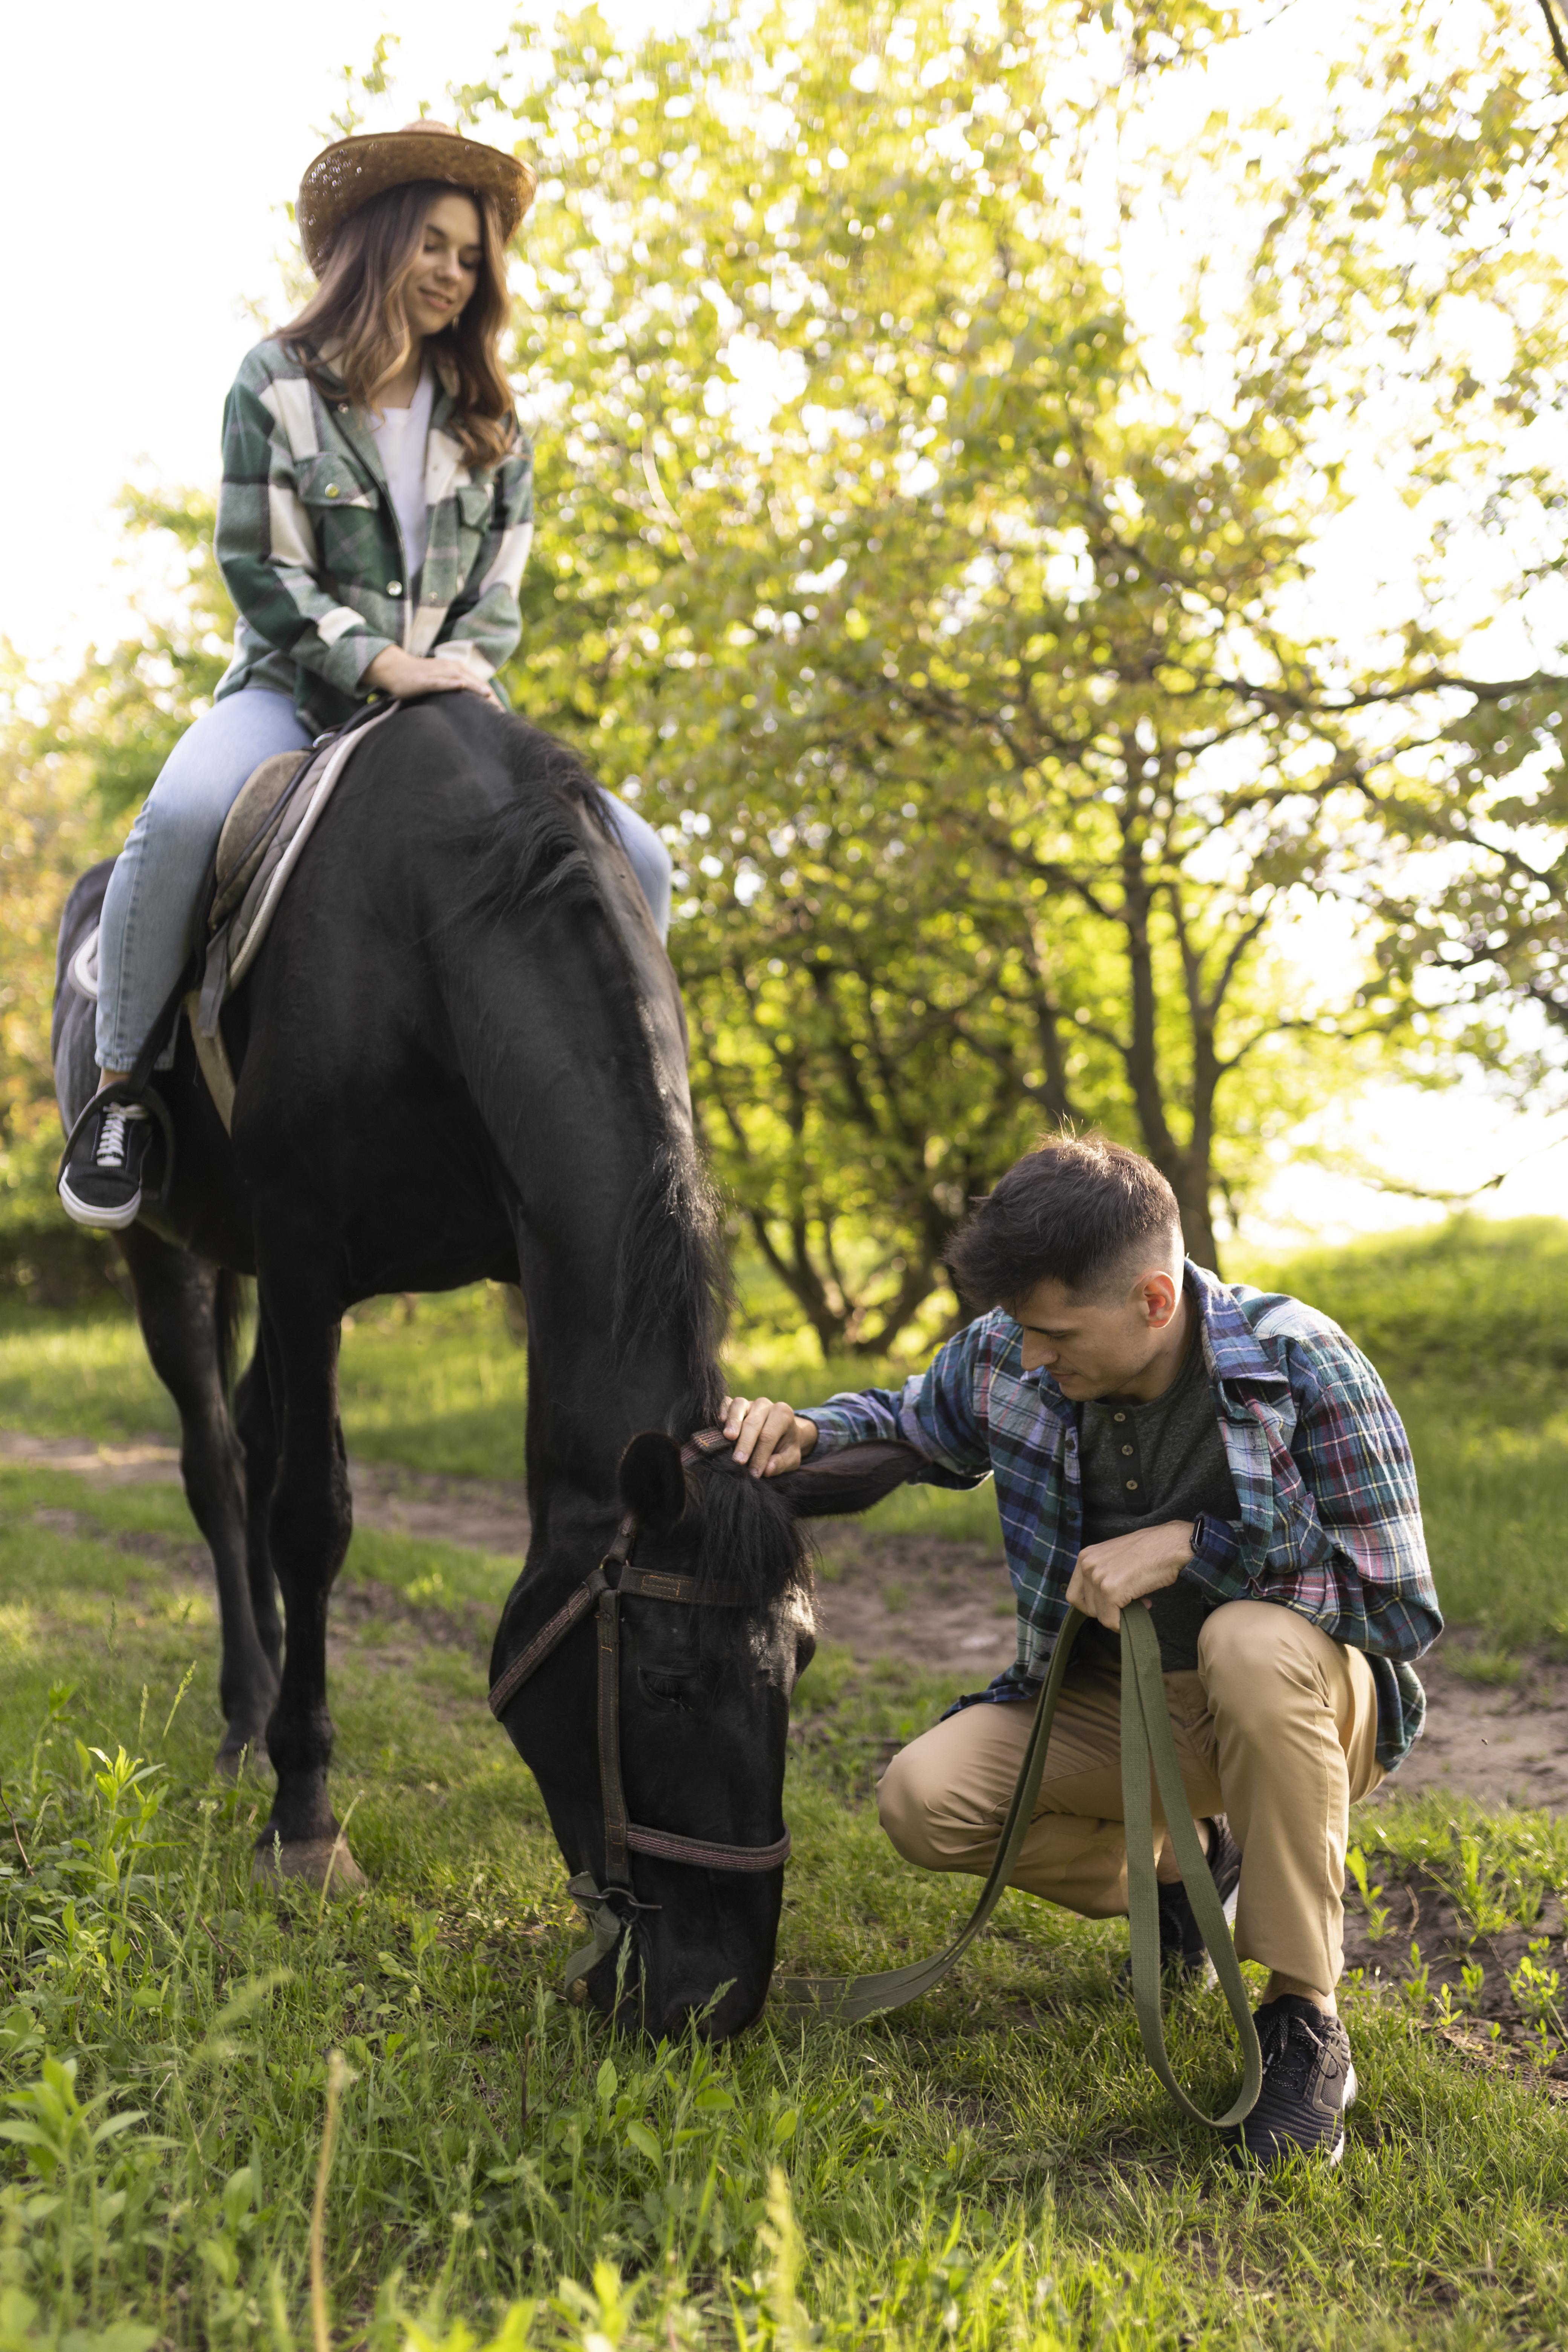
616,1569
702,1854
655,1584
603,1591
576,1604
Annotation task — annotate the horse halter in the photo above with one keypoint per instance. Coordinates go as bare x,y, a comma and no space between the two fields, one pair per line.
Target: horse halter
603,1589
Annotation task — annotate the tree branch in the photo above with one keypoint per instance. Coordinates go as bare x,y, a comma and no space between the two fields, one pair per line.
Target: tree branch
1559,48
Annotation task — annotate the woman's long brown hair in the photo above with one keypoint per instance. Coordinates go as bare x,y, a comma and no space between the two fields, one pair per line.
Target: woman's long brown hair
357,315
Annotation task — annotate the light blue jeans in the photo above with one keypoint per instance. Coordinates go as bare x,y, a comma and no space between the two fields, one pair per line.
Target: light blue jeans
149,908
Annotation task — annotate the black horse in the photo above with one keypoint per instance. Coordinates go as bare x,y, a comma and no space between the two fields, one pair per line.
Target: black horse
461,1055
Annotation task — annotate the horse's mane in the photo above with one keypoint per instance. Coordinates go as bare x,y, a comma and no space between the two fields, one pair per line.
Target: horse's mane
672,1270
672,1274
749,1537
753,1529
530,847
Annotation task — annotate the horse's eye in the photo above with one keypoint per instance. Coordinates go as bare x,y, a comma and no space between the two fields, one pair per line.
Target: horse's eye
666,1690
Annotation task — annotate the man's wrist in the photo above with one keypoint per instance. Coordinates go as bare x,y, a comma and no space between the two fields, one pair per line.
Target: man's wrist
1214,1542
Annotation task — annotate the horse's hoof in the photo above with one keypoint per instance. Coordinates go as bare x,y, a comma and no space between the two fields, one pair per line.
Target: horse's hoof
324,1863
239,1759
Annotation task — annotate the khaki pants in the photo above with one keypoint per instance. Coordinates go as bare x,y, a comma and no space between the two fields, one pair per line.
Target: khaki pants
1278,1729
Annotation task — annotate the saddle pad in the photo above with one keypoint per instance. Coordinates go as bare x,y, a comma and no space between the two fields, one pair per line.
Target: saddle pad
248,829
263,836
265,831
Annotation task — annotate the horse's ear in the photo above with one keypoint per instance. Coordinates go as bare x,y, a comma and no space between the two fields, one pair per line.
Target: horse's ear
653,1481
848,1481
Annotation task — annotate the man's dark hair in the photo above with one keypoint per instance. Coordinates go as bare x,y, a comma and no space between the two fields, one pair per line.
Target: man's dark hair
1076,1211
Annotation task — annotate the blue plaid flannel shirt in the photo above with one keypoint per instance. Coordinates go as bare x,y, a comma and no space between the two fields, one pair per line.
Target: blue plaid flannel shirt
1330,1525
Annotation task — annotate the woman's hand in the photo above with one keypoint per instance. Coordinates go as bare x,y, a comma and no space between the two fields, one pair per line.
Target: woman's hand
771,1437
403,675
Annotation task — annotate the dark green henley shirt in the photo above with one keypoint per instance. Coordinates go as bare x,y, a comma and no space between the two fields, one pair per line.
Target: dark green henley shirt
1142,1463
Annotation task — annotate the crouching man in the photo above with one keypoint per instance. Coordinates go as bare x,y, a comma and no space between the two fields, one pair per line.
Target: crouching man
1226,1459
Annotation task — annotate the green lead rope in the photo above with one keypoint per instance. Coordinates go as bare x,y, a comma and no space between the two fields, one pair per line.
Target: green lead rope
1146,1743
1146,1739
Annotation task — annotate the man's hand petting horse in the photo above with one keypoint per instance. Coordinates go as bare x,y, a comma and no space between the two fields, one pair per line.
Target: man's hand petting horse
769,1438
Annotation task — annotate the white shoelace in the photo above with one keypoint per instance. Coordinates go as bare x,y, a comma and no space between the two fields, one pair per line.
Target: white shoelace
111,1139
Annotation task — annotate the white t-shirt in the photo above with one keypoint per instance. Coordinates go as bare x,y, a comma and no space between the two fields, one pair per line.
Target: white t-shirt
401,434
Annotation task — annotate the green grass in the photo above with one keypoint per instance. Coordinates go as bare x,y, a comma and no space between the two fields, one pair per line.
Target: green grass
995,2166
1469,1323
83,1374
1493,1470
1451,1303
438,1383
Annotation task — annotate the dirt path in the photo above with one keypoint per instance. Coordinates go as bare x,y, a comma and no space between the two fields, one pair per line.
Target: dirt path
933,1604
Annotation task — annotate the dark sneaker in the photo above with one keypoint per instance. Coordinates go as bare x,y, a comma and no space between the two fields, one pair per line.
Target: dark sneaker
101,1183
1308,2081
1182,1948
1181,1952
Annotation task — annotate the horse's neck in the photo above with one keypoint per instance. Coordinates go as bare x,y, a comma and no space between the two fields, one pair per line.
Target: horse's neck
587,1108
592,1387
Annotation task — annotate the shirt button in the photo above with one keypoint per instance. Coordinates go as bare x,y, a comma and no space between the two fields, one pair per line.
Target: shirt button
1119,1416
1132,1485
395,587
1127,1449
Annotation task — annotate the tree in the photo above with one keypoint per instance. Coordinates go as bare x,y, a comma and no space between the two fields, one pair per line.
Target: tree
75,760
965,627
965,638
1449,134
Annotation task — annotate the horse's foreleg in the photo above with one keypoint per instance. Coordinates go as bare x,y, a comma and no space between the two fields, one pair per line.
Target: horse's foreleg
308,1528
182,1310
256,1425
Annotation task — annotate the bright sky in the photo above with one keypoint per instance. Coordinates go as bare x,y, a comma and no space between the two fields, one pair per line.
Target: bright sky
147,153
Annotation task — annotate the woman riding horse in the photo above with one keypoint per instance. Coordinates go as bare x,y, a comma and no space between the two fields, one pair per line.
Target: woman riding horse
373,522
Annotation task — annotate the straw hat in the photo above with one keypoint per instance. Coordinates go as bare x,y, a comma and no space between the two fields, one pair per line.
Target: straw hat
348,173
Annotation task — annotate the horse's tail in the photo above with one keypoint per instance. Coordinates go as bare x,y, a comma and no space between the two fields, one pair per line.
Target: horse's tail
228,1315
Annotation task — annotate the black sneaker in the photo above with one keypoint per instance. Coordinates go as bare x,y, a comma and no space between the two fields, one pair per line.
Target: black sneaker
101,1183
1308,2081
1182,1949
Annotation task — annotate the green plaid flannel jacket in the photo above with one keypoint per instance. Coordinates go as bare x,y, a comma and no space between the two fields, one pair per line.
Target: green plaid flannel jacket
1330,1521
310,546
